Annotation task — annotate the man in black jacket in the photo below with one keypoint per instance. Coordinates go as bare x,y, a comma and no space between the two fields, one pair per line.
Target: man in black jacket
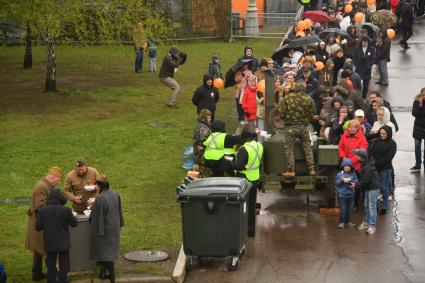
170,62
54,220
405,21
364,56
206,96
383,45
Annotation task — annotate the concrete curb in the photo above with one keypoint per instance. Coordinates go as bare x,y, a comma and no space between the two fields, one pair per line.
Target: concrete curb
179,272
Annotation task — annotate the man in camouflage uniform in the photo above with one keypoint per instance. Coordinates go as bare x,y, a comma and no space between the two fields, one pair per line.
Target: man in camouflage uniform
296,109
200,134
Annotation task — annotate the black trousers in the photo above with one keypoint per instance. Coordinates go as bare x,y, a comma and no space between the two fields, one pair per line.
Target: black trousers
37,267
407,33
252,200
365,87
62,273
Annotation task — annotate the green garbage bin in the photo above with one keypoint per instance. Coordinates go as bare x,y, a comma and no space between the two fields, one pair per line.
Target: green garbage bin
215,217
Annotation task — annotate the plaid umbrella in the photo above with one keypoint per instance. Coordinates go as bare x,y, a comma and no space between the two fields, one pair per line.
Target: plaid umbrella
383,19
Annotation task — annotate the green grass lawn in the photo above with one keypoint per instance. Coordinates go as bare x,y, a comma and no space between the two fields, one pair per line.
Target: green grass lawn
118,121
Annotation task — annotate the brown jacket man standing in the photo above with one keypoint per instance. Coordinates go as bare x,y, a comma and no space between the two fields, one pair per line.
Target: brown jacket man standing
34,239
75,182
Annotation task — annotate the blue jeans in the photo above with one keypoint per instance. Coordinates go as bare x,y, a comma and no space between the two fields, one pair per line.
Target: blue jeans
370,200
386,183
418,152
346,208
138,65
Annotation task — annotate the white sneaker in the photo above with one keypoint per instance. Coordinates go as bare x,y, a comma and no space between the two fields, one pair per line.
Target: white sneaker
364,225
341,225
350,225
371,230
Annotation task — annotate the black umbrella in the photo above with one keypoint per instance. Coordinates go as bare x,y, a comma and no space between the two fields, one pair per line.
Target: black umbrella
229,79
283,52
336,31
303,41
372,30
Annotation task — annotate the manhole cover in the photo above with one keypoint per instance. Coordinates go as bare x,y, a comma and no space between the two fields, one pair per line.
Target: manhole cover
150,255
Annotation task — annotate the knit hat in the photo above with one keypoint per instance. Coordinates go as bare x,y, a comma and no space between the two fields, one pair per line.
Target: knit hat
359,113
218,126
362,153
80,162
55,171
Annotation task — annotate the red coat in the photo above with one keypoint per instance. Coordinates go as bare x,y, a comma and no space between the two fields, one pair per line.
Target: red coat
348,143
249,103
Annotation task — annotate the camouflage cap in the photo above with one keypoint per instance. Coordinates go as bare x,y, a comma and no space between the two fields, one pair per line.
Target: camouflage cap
80,162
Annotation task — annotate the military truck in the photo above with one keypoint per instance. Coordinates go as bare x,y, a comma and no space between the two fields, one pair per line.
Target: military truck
274,160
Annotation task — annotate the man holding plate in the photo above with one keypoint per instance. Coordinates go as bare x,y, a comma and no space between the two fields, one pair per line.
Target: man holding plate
80,185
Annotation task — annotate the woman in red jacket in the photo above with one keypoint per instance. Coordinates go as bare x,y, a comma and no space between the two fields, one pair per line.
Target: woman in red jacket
249,102
352,138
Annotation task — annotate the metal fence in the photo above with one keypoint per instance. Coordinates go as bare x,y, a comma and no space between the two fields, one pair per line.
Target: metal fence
270,25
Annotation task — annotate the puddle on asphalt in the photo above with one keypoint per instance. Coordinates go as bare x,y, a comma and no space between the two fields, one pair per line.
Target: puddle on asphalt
17,200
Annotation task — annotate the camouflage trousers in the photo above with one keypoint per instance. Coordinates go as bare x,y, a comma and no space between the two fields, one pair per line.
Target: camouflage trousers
290,134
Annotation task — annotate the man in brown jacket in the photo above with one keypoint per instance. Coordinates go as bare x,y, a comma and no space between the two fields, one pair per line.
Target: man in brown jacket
80,185
34,239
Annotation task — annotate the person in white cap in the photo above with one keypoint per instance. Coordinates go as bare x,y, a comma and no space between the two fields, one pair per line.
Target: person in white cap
364,124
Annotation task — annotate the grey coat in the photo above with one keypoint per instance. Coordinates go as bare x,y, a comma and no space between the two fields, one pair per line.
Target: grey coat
106,221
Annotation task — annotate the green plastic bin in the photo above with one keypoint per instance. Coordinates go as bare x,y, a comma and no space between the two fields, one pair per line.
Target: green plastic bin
215,217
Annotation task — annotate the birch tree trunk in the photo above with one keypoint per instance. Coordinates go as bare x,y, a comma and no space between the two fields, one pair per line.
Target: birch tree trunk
28,49
51,66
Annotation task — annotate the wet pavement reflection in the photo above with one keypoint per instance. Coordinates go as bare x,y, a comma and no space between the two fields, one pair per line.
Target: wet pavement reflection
291,246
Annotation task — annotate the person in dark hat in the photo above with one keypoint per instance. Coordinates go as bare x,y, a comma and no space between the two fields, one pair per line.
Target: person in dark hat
206,96
214,68
249,54
247,165
171,61
370,184
364,56
76,185
106,220
218,146
54,220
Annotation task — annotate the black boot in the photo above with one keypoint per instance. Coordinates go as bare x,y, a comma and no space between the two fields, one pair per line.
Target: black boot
111,270
102,274
37,268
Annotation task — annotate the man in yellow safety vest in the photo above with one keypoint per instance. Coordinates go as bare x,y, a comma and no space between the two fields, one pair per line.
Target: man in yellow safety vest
247,165
217,145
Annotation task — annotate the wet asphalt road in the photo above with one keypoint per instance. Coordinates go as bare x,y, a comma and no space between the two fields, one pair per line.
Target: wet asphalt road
289,247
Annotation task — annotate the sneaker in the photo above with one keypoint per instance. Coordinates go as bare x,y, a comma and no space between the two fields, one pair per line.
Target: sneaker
415,168
350,225
341,225
364,225
371,230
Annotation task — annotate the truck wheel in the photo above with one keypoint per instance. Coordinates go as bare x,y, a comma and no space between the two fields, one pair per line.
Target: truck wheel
231,264
330,187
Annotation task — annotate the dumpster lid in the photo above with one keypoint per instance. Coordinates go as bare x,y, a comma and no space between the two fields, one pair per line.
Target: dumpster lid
219,186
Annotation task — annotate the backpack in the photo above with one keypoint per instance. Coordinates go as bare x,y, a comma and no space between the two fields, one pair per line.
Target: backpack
3,277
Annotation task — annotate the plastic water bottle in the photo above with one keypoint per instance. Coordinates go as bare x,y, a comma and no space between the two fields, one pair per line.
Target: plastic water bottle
188,157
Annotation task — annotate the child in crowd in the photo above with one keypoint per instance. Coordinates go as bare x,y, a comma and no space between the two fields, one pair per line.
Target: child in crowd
249,103
54,220
152,50
214,68
345,182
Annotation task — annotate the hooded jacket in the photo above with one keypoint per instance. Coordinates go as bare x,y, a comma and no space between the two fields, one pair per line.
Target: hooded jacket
205,97
343,180
350,142
54,220
419,125
364,60
369,178
249,103
385,121
384,47
383,150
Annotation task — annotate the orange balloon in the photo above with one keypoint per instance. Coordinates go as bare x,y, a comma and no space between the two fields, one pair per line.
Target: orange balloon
390,33
308,23
348,8
300,34
261,86
370,2
319,66
218,83
301,26
358,17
